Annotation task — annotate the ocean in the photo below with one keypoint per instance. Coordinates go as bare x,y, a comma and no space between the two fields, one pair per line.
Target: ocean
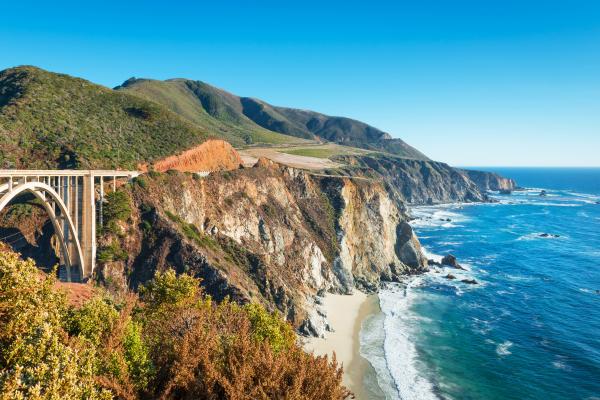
530,328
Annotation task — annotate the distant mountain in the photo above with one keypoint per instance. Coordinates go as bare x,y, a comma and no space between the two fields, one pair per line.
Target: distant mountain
198,101
50,120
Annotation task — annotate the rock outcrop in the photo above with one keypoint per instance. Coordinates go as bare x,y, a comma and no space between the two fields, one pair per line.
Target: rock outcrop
212,155
271,234
415,181
490,181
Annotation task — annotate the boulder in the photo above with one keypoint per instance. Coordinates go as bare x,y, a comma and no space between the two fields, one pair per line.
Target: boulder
470,281
433,263
450,276
450,261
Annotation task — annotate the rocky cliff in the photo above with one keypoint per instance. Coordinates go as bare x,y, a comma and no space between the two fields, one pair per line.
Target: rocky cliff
415,181
490,180
272,234
212,155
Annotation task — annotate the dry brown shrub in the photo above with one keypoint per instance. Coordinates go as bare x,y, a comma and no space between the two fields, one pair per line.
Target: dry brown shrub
210,353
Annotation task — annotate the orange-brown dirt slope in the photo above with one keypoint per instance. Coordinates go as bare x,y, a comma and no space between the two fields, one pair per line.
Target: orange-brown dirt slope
212,155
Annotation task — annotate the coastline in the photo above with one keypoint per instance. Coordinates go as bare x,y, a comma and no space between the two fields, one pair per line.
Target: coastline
346,314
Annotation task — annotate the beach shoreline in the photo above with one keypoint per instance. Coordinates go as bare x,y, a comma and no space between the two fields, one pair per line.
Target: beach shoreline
346,314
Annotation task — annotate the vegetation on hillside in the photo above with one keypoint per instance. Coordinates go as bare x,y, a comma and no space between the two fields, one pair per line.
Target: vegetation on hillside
214,108
206,107
171,342
52,120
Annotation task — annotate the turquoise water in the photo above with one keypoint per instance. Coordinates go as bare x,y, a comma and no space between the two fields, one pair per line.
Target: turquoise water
530,329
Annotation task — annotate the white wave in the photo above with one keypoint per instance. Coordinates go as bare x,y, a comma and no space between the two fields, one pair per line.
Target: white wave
445,216
450,243
400,351
372,336
548,204
560,365
431,256
518,278
502,349
538,235
588,197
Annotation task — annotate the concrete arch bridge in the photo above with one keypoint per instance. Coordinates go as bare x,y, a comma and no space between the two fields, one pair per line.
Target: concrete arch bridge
73,200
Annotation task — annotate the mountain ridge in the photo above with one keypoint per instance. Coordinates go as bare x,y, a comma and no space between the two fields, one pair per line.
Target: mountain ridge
301,123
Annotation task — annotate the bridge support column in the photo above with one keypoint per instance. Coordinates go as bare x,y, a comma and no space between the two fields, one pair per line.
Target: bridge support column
88,219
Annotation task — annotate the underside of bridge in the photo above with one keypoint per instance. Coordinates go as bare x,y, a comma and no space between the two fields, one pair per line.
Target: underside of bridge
26,227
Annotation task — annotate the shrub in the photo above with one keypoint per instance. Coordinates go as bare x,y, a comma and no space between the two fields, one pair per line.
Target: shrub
176,344
270,328
111,252
203,350
141,182
38,360
117,207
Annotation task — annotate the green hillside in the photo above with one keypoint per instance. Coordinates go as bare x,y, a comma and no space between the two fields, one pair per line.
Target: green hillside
50,120
214,108
209,108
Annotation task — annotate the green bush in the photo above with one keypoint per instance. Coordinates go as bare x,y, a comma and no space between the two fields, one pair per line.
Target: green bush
270,328
174,344
38,360
112,252
141,182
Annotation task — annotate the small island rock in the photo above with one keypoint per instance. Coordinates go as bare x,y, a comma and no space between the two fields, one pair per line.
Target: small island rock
450,260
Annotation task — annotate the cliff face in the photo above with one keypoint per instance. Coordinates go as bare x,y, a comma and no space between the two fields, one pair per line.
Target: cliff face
419,182
271,234
212,155
414,181
490,180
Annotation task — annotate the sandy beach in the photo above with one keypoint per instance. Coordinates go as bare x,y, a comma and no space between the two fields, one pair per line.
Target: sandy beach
345,314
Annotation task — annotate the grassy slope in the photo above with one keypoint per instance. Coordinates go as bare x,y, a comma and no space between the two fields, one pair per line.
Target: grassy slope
198,101
52,120
208,108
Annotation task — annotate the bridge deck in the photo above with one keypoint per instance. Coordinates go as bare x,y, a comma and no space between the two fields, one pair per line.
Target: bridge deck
67,172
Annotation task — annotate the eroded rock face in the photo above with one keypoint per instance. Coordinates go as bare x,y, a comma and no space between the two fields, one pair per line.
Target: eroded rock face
271,234
416,181
212,155
491,181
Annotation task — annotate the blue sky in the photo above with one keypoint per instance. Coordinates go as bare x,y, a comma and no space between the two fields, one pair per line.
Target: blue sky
467,82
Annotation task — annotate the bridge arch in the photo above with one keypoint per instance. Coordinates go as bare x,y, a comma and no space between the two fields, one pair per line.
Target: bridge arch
46,194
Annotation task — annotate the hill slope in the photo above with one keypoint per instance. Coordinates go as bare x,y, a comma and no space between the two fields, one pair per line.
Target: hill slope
197,101
50,120
207,107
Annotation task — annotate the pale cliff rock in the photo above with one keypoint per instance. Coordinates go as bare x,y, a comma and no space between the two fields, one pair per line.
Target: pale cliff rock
272,234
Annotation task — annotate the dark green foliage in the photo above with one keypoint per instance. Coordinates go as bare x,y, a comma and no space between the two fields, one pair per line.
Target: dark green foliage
141,182
117,206
52,120
112,252
192,232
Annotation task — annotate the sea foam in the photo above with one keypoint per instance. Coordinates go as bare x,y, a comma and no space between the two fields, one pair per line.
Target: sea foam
400,351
